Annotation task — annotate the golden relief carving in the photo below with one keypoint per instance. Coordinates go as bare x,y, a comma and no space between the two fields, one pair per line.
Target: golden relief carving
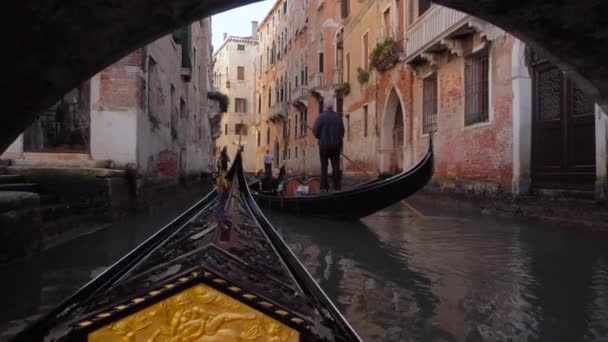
198,314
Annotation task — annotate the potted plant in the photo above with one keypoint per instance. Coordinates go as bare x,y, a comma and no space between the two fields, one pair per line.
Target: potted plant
343,88
362,75
221,98
384,55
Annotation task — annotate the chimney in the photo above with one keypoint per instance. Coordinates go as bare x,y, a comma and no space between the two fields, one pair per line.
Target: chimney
225,35
254,29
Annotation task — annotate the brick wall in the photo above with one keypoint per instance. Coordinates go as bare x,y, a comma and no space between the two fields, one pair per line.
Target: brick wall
480,153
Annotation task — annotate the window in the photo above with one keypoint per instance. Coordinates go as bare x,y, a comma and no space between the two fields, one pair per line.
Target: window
304,122
260,104
153,84
285,132
285,8
429,104
410,12
240,129
320,61
387,22
423,6
267,136
347,127
269,96
365,51
240,73
289,153
240,105
476,77
240,47
295,127
365,120
259,138
225,129
296,152
345,8
348,67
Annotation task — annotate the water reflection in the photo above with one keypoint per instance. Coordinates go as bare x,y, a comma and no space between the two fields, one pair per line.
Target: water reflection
34,286
454,277
461,278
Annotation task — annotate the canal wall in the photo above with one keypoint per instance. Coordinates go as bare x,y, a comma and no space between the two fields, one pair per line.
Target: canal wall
52,205
568,209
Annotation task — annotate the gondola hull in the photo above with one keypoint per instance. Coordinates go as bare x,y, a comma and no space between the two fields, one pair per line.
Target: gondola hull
199,279
359,202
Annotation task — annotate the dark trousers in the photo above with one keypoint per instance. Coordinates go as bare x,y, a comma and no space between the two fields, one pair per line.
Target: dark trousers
333,155
267,169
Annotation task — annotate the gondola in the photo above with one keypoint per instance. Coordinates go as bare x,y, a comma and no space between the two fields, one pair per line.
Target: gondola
198,279
355,203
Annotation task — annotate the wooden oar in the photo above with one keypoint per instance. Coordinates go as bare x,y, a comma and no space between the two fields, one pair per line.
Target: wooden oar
407,205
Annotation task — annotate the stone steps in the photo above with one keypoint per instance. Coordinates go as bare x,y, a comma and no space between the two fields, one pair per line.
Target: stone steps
21,187
73,164
11,179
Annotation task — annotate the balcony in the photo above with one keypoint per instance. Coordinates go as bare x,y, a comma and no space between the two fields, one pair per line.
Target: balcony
338,75
299,93
277,111
316,82
435,25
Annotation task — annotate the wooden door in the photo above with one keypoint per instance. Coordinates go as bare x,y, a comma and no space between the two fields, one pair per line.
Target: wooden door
398,141
563,131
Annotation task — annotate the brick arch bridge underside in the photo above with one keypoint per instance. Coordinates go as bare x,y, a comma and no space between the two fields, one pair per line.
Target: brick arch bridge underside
59,44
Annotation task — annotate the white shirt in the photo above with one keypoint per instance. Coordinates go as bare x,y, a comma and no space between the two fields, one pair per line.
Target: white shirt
268,158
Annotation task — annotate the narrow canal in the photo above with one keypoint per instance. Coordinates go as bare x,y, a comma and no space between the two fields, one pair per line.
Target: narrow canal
451,276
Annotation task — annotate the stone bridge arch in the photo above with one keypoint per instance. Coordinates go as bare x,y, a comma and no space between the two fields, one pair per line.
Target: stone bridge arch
60,44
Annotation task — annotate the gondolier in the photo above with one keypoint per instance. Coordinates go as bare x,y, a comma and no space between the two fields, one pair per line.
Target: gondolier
329,131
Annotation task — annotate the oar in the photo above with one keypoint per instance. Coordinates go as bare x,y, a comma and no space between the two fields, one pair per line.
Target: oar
407,205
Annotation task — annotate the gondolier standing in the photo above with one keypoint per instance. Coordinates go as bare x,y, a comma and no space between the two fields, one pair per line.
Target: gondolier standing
268,158
329,131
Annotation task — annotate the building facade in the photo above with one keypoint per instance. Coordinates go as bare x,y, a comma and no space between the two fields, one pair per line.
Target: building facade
235,76
503,119
299,67
149,113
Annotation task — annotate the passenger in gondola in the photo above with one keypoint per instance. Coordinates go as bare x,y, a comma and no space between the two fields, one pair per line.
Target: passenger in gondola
283,180
223,184
329,131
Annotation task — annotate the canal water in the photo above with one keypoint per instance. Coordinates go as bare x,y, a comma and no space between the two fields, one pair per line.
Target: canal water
450,276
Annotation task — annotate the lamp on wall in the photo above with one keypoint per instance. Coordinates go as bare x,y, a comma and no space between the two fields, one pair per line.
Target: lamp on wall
228,84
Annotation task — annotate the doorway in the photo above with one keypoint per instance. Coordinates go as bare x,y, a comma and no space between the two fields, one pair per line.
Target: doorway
63,128
563,130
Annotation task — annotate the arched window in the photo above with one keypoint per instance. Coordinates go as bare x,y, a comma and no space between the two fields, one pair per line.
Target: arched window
267,136
269,96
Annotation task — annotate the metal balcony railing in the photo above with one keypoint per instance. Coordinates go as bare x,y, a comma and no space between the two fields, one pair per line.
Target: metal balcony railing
434,25
278,109
317,81
300,92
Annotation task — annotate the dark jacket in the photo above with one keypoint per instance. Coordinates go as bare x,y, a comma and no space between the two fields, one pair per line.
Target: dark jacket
329,129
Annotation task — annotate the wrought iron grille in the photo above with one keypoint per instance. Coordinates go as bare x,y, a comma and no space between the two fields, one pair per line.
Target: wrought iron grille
62,128
550,84
429,104
476,87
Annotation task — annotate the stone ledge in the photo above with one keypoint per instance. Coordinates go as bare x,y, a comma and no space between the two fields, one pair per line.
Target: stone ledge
569,212
64,171
15,200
